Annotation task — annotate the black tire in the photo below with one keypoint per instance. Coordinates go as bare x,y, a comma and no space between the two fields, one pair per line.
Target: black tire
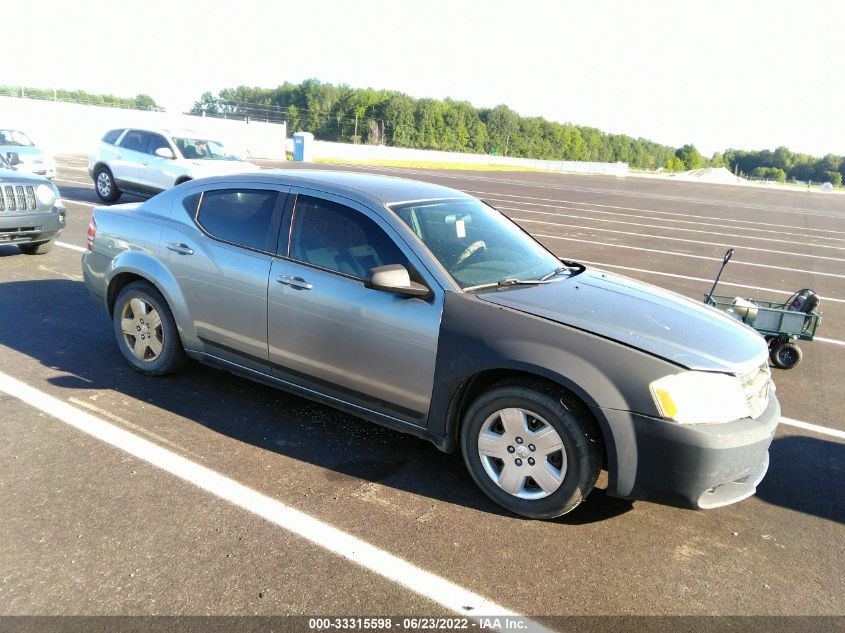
105,186
168,355
36,248
580,438
785,355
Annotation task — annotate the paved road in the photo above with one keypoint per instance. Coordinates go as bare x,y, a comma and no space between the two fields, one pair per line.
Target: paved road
89,529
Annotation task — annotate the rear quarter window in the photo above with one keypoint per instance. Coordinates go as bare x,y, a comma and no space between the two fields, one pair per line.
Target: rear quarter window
111,136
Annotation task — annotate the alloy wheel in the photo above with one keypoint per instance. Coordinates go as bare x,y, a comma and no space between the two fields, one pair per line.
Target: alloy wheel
142,331
522,453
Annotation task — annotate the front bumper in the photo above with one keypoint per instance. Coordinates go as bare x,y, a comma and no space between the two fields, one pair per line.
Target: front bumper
704,465
31,227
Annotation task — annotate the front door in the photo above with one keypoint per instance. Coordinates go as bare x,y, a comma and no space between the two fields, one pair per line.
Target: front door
329,332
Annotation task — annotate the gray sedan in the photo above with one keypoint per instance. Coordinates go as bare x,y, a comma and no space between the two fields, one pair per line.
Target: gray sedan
423,309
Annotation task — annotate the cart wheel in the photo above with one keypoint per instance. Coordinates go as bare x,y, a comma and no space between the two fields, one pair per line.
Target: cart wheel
785,355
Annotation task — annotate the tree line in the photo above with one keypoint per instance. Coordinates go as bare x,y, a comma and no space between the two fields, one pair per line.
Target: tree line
139,102
386,117
363,115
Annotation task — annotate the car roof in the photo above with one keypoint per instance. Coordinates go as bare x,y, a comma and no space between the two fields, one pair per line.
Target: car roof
377,188
162,130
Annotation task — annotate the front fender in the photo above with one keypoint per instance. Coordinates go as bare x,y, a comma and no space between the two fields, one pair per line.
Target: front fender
607,376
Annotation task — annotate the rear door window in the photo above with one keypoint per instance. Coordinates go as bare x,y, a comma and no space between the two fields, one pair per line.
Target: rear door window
340,239
134,140
111,136
245,217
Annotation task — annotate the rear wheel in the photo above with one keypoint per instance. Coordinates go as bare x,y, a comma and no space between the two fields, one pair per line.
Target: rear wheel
146,331
530,451
107,190
36,248
785,354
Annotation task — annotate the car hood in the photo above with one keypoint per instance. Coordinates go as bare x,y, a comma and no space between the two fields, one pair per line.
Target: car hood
649,318
10,175
27,153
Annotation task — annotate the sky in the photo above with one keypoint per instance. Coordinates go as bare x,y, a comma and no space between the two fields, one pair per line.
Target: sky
744,75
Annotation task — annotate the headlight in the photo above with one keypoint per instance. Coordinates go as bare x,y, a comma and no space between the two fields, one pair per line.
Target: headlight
46,194
696,397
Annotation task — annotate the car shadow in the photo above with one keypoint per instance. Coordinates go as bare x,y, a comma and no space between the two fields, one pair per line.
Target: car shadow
806,474
87,195
239,408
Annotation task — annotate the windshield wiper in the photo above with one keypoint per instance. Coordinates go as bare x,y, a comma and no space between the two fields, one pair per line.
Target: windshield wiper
512,281
574,268
556,271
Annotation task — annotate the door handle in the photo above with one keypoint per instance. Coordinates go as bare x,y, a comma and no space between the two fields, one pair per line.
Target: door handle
182,249
294,282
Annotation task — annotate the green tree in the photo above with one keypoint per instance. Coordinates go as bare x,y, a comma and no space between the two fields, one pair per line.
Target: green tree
146,102
690,157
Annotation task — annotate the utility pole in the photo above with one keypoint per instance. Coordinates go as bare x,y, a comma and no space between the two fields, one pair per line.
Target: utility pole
355,136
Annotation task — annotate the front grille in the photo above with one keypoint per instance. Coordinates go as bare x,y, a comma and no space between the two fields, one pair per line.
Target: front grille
756,384
18,198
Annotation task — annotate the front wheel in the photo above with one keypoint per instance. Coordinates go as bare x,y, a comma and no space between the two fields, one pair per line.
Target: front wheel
146,331
37,248
530,451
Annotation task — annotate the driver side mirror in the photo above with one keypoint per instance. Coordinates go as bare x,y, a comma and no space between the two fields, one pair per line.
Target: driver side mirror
395,278
165,152
13,158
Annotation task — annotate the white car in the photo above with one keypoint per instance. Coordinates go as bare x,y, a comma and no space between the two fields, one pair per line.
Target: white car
148,161
20,152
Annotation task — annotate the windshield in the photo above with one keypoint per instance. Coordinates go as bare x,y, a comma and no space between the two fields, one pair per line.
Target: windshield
14,137
203,149
476,244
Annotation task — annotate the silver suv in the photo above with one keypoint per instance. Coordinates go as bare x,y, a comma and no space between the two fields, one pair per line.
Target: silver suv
31,213
423,309
147,161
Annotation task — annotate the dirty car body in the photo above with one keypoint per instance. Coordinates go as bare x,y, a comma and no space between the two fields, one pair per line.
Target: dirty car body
421,308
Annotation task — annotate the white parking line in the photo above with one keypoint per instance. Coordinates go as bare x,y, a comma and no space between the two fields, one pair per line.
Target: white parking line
72,247
687,255
492,196
829,340
85,204
707,281
815,428
428,585
75,182
664,227
615,192
686,241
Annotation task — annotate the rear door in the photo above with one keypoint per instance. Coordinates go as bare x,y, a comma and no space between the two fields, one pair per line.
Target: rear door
220,255
327,331
130,153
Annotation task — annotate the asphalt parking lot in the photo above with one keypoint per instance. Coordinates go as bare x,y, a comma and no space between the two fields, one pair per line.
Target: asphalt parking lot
89,529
